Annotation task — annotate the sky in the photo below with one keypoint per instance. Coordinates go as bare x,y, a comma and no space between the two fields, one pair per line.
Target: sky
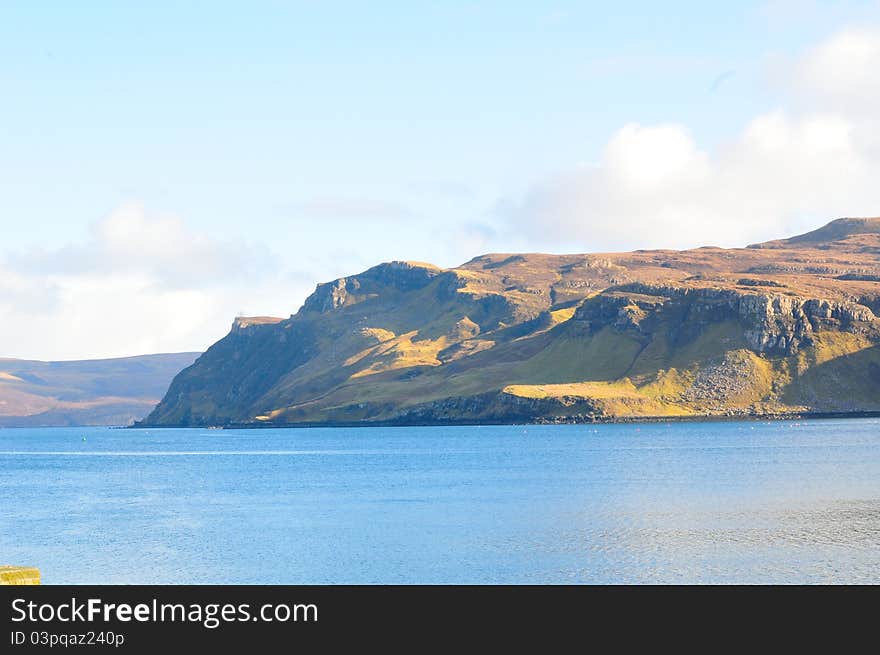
166,166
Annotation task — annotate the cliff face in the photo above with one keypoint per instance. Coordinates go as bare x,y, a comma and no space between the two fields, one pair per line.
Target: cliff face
787,326
771,322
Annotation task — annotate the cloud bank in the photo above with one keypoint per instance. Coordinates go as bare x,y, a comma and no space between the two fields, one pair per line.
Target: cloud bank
140,284
787,169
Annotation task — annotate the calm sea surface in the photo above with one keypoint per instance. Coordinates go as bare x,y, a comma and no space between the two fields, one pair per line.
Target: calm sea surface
782,502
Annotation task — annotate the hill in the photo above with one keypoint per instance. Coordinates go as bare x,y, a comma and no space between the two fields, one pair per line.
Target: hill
783,327
837,230
90,392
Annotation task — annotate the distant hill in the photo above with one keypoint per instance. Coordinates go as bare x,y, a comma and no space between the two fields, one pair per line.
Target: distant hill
89,392
778,328
837,230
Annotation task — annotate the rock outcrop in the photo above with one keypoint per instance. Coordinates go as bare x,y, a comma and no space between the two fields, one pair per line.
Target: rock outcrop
770,321
400,276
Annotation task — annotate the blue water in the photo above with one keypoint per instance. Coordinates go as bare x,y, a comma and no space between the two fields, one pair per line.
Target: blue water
781,502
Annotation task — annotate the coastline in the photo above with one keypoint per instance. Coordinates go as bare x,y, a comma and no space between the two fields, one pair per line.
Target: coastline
703,418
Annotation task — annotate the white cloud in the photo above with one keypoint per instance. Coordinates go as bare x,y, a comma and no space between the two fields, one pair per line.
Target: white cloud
788,169
129,240
844,63
139,284
839,75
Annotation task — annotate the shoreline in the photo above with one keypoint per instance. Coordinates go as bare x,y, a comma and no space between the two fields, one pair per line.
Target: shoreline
703,418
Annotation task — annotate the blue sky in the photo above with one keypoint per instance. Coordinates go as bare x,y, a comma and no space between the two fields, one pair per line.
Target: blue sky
300,141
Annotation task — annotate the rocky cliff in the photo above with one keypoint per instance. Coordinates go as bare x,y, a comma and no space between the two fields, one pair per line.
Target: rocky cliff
784,327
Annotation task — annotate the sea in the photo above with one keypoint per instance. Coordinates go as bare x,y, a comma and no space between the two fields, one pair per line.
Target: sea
781,502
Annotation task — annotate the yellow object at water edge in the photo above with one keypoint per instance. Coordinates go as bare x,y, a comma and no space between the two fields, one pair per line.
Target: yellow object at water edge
16,575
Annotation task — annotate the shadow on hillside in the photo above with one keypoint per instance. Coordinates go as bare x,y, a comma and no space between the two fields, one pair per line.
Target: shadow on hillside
844,384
